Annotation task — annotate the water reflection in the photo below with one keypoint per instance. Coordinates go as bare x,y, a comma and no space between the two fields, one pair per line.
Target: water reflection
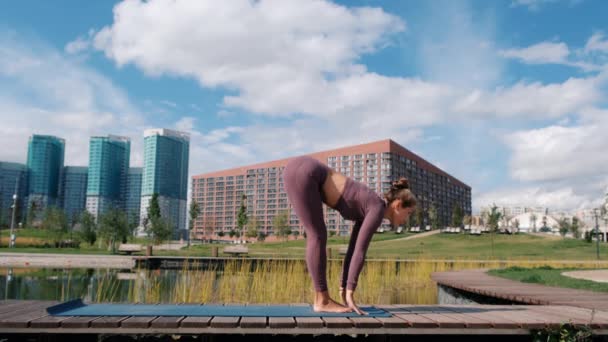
272,281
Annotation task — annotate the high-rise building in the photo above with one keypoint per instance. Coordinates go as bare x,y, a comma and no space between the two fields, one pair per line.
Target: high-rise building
108,173
73,191
134,194
45,157
166,154
375,164
13,180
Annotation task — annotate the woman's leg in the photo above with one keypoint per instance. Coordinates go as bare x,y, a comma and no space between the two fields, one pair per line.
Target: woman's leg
303,178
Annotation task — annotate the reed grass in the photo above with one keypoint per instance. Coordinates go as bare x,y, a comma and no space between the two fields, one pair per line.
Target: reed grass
287,281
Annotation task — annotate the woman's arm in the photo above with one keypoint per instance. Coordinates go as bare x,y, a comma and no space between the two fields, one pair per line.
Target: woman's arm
349,254
370,223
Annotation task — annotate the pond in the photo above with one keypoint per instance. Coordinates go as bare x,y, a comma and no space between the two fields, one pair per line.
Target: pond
272,281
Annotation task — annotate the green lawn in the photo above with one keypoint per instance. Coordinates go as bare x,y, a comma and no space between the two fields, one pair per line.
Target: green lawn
549,276
391,246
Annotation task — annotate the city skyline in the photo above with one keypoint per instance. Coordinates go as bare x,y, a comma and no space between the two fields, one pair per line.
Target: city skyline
499,92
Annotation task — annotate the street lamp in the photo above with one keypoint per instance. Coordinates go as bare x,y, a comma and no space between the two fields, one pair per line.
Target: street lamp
596,212
14,207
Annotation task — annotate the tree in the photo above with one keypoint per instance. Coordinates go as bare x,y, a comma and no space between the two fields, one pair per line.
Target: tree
55,223
161,230
433,217
154,207
493,218
261,236
113,227
280,224
88,228
193,213
564,226
133,223
419,216
457,216
31,214
575,227
241,220
252,228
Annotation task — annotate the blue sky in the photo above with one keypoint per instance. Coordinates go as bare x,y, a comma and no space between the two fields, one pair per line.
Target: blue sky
508,96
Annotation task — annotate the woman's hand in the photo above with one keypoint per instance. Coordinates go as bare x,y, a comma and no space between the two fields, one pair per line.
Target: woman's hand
343,296
350,302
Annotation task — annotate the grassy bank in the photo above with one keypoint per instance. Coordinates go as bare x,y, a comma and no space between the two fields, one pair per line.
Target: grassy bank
547,275
393,246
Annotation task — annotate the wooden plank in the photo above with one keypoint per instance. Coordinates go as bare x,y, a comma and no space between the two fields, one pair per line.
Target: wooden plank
393,322
48,322
282,322
224,322
137,322
480,312
576,316
10,306
444,321
253,322
522,316
469,321
414,320
366,322
21,318
27,308
108,321
309,322
168,322
337,322
195,322
78,322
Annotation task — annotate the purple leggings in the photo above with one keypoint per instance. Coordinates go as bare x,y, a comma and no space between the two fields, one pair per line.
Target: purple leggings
304,177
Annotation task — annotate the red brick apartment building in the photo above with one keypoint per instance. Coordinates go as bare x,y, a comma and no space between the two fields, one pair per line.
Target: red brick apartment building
376,164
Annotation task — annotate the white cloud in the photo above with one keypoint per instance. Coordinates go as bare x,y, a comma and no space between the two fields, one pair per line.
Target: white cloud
545,52
456,47
534,100
47,93
565,198
535,5
557,152
597,43
80,44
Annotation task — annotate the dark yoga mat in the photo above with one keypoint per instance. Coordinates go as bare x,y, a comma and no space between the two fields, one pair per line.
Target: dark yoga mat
78,308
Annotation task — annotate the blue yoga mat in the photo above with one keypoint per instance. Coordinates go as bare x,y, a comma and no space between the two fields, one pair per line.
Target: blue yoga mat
78,308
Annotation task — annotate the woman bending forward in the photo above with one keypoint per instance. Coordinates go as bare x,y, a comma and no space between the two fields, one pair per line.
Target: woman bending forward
308,184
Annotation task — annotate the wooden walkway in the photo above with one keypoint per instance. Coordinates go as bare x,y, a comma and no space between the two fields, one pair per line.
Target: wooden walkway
480,283
30,317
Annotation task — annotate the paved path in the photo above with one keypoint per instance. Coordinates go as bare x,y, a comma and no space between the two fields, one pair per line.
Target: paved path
600,276
479,282
38,260
411,237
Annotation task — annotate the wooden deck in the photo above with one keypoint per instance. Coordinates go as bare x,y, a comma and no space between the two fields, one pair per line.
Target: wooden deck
479,282
30,317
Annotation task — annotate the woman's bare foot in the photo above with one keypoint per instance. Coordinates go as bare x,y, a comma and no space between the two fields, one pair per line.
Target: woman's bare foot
323,303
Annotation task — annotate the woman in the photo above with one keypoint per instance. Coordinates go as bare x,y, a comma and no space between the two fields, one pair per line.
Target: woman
308,184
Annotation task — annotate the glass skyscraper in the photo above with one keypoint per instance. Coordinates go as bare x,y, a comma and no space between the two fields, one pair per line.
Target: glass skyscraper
134,193
13,176
108,173
72,191
45,157
166,154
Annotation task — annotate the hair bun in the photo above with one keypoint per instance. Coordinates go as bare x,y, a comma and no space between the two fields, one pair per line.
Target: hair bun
402,183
